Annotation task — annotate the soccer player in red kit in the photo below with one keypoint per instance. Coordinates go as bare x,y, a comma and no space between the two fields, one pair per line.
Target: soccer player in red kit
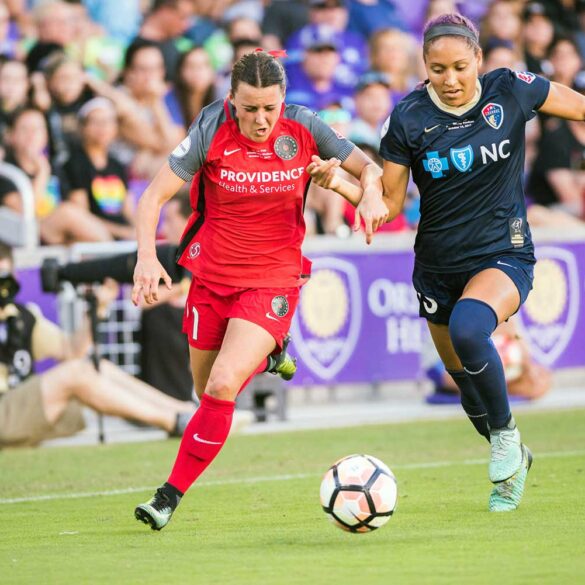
246,159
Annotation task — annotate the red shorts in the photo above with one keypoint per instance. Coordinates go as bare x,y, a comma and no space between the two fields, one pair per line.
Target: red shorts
210,306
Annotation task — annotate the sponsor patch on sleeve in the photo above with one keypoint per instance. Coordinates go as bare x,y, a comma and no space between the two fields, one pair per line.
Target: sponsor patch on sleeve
183,148
525,76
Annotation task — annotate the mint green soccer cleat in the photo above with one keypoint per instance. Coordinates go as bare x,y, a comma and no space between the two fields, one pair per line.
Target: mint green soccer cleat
283,364
507,494
506,453
157,512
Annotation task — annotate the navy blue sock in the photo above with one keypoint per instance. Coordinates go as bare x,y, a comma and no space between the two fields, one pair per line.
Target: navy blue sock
471,402
471,325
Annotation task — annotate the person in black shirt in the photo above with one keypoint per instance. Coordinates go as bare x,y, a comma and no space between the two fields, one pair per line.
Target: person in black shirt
97,180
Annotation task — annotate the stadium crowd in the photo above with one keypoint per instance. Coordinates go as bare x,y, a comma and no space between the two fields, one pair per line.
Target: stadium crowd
94,95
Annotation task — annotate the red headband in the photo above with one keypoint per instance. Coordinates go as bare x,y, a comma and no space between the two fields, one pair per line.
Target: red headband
277,54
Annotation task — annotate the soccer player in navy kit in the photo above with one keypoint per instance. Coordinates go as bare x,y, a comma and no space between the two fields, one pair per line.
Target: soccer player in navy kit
462,137
246,159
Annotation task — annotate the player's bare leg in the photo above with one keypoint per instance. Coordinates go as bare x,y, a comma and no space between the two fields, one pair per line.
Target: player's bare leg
245,345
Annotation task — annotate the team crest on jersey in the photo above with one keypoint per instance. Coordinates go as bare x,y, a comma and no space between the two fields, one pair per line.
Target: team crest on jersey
279,306
525,76
493,114
462,158
286,147
194,250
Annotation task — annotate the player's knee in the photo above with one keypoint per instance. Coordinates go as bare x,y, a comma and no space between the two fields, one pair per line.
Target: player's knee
471,324
222,384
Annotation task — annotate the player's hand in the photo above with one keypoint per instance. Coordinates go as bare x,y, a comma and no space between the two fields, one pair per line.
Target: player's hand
323,172
147,274
374,212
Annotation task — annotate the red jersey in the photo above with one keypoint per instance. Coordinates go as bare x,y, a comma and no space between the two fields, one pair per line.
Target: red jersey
248,198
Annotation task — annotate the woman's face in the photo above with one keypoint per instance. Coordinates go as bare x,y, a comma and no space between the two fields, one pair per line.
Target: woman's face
100,127
67,82
565,61
452,68
29,134
196,71
257,109
13,84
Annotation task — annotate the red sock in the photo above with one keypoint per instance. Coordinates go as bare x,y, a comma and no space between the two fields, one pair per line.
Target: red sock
261,368
202,440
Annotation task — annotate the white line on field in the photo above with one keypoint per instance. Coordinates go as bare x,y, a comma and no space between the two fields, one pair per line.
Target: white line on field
262,479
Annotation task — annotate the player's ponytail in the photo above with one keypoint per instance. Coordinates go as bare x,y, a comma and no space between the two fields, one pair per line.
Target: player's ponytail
450,25
259,69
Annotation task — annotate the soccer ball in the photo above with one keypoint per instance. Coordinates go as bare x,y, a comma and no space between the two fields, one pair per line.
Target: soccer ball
358,493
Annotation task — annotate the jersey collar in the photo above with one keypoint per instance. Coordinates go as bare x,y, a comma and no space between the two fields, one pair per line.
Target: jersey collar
459,110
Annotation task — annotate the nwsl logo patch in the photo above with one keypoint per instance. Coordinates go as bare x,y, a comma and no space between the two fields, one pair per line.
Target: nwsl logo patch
525,76
493,114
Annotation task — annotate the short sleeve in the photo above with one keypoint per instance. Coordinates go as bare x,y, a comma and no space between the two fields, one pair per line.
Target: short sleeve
189,156
530,91
393,146
329,143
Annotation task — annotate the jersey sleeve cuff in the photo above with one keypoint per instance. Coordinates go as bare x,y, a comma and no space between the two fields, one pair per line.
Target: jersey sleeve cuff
180,172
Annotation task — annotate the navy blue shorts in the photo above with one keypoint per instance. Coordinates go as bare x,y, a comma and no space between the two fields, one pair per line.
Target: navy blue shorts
438,291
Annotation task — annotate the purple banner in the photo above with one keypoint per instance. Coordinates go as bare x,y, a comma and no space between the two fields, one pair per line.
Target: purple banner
357,320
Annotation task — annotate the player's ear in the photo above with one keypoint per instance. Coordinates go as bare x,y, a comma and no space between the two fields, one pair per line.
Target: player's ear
479,57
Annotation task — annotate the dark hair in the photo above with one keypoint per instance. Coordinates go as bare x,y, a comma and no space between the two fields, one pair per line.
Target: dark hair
182,90
6,252
448,25
137,46
258,69
562,39
21,111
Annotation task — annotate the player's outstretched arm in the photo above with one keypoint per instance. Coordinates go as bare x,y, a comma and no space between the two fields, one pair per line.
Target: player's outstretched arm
394,182
564,102
323,173
149,270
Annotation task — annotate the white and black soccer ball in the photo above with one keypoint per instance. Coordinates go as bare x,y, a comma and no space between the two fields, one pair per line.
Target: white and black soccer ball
359,493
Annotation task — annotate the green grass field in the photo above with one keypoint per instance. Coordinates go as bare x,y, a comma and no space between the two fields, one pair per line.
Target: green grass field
66,514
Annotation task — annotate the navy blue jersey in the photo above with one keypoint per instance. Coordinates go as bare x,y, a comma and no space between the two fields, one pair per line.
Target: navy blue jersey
469,170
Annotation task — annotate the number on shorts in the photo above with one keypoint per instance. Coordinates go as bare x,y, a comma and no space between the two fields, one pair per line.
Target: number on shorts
195,322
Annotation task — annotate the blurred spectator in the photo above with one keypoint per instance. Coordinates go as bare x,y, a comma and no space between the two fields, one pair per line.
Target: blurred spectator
538,33
59,223
368,16
34,408
282,18
500,54
526,378
565,60
7,45
194,87
502,22
394,53
224,80
121,20
67,92
243,27
558,175
324,210
352,47
55,32
313,83
143,82
563,13
164,351
14,89
166,22
372,107
97,182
